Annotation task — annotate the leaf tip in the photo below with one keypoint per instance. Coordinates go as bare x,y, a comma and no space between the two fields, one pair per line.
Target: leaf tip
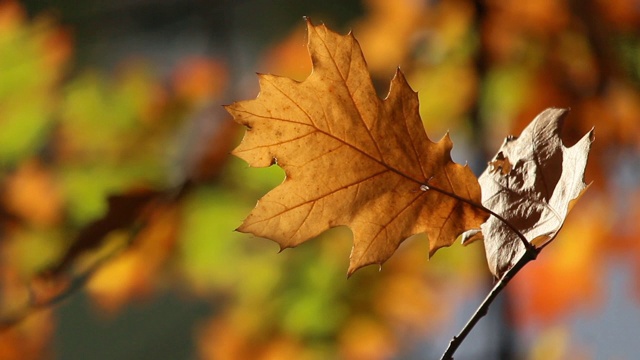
352,269
355,267
556,111
553,116
401,80
310,25
471,236
399,74
432,249
309,22
229,108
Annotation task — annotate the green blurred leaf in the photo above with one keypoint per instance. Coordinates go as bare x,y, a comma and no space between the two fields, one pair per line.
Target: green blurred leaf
27,99
87,188
211,251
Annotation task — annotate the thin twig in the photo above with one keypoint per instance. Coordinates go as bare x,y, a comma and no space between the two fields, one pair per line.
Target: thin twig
531,252
76,283
484,306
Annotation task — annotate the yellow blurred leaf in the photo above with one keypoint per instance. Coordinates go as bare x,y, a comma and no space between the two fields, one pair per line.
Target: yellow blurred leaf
133,274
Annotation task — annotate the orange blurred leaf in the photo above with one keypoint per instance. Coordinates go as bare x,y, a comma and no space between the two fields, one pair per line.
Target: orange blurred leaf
199,79
31,194
387,32
28,340
290,57
364,338
11,16
578,263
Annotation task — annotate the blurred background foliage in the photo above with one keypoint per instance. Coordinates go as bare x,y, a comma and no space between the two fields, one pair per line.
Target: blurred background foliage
118,198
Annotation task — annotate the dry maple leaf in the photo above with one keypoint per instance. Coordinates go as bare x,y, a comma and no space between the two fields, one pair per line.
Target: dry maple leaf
351,159
532,182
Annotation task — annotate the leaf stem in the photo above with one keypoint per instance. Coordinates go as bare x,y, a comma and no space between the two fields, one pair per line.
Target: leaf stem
531,253
527,245
482,310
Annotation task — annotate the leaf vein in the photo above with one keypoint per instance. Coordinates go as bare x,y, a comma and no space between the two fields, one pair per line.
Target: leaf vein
293,207
344,83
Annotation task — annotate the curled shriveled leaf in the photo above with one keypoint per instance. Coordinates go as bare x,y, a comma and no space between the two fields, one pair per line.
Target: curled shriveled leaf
532,182
351,159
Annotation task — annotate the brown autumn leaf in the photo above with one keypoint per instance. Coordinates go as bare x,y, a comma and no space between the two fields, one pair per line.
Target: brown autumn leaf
532,182
351,159
123,211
